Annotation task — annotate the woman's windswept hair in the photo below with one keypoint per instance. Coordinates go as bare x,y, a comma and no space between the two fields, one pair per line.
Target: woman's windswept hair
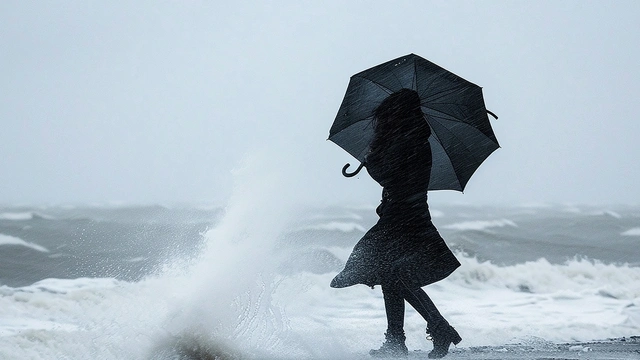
400,115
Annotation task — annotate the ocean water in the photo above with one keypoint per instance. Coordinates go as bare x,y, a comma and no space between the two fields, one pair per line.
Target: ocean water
251,279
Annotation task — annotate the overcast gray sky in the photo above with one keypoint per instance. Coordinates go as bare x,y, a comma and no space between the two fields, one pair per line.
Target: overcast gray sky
156,102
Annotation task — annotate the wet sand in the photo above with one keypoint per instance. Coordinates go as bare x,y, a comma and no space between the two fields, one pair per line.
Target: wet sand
610,349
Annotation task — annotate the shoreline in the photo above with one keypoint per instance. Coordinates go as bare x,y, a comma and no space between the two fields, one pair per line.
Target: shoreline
609,349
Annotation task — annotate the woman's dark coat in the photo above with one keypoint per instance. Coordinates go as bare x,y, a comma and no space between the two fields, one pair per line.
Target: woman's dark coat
403,245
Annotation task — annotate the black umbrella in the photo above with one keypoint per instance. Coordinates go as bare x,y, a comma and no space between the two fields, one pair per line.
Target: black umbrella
461,135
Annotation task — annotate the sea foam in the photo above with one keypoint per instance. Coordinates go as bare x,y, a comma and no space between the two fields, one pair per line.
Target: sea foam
479,225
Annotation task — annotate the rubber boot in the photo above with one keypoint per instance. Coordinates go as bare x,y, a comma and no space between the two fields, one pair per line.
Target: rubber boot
393,346
442,335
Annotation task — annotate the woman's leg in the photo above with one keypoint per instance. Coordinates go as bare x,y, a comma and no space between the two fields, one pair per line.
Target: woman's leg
394,307
441,332
394,345
420,301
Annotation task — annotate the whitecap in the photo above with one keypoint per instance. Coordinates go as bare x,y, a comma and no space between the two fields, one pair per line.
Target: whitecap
349,215
12,240
632,232
64,286
22,216
480,224
338,226
16,216
611,213
536,205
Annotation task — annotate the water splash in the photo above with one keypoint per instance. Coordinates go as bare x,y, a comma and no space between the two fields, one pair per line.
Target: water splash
226,295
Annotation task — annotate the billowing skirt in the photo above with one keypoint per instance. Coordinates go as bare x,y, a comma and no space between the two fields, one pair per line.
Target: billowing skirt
415,254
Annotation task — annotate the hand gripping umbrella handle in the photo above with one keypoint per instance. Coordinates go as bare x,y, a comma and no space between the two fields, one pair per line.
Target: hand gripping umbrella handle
346,174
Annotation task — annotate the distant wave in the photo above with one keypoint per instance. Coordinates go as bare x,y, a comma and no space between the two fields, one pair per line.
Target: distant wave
611,213
338,226
21,216
16,216
12,240
349,215
480,224
632,232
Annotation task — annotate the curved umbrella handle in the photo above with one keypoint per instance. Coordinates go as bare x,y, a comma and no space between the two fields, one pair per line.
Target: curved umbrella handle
492,114
346,174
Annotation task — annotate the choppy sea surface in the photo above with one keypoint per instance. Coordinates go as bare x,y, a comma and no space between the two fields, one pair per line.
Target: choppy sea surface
144,282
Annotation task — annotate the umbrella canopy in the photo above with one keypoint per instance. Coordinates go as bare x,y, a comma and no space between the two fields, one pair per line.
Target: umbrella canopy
461,134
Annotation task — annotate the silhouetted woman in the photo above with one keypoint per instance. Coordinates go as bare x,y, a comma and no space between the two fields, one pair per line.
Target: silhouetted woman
403,251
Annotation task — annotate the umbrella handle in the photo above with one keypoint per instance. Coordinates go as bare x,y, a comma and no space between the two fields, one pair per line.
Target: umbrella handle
492,114
346,174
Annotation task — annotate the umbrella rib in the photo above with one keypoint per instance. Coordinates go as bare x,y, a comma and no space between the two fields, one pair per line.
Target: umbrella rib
470,123
397,78
490,137
433,78
439,95
368,118
462,108
387,90
457,138
357,153
440,113
449,159
426,88
414,81
449,103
